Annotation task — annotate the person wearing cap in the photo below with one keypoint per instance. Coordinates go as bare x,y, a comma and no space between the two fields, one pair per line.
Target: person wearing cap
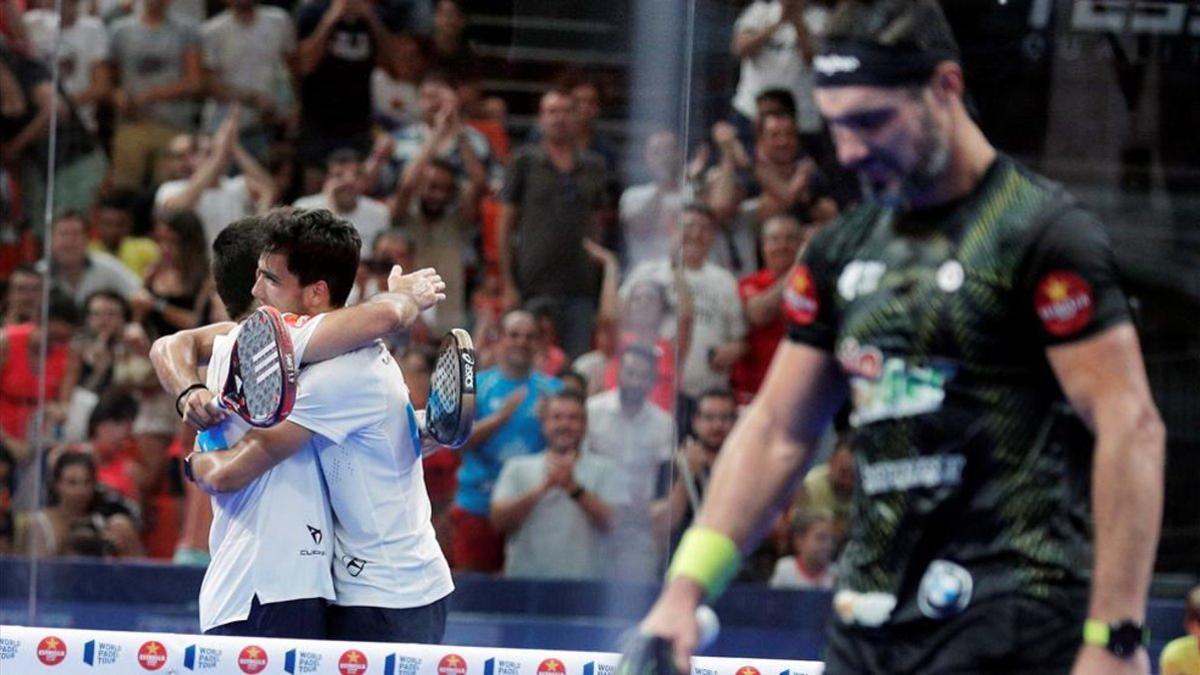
971,312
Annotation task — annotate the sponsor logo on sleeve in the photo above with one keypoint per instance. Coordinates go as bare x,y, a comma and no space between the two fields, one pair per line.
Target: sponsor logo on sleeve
452,664
252,659
800,296
152,655
1064,303
352,662
51,651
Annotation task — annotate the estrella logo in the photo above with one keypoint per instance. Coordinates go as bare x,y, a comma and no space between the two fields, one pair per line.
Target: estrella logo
452,664
252,659
51,651
152,655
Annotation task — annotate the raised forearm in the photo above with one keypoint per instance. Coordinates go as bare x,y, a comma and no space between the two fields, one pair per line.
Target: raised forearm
177,358
765,307
747,43
353,327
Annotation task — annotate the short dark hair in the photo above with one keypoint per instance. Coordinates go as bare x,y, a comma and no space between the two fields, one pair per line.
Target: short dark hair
439,76
107,294
760,124
567,395
444,165
573,375
62,308
235,263
715,392
700,208
893,23
648,353
319,247
343,156
783,97
112,408
66,460
69,214
119,199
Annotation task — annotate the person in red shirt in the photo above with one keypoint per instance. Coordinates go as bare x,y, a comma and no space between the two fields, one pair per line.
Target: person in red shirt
110,442
783,237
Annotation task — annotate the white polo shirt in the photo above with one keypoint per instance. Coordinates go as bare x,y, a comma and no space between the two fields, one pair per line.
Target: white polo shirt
385,551
273,538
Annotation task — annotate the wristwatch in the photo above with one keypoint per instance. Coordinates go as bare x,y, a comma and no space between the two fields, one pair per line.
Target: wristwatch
1122,638
187,467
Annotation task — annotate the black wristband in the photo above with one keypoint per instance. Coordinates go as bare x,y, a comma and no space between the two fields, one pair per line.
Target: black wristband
187,467
183,394
577,492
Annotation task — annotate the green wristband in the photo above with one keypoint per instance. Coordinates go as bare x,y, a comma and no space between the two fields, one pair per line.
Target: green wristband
707,557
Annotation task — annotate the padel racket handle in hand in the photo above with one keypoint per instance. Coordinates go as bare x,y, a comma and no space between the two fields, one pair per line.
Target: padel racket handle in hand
655,655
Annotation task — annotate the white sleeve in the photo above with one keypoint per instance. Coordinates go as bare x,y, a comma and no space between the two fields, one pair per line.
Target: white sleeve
301,329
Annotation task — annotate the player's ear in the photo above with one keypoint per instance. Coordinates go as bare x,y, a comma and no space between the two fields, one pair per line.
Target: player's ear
316,294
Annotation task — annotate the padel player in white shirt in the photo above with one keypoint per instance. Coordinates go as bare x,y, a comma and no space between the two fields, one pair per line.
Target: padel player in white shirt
255,585
390,577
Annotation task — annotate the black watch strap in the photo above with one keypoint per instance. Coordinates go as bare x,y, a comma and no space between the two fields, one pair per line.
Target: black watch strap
1122,638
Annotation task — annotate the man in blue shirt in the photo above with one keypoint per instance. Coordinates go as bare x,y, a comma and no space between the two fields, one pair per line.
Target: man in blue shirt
506,401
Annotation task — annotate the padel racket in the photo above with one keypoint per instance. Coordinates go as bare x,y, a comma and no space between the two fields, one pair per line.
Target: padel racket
450,411
261,384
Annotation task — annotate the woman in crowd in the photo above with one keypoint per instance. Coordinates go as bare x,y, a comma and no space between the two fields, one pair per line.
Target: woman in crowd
178,288
80,519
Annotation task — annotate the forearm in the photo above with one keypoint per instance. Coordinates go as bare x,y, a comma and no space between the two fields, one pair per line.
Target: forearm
484,428
759,452
254,172
765,308
99,88
508,216
177,358
746,43
312,49
1127,493
598,513
206,175
348,329
609,299
723,196
233,469
476,173
508,515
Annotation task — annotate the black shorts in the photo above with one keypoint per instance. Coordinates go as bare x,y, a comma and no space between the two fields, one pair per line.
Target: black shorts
303,619
420,625
1001,636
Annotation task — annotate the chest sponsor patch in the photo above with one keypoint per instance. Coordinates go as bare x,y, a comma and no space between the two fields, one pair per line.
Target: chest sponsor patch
1064,303
800,297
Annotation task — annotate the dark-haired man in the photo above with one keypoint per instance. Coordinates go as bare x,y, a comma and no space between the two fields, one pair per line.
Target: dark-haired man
352,412
972,312
342,194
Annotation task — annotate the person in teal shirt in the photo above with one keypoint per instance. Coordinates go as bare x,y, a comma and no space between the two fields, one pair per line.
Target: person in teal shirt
506,399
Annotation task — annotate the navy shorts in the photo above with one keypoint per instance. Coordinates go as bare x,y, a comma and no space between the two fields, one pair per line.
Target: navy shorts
421,625
1000,637
303,619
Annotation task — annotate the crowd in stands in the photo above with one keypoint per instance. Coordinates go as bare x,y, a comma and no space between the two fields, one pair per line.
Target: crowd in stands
624,298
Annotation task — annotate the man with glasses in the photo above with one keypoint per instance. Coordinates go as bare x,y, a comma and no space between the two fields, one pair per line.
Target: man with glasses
506,398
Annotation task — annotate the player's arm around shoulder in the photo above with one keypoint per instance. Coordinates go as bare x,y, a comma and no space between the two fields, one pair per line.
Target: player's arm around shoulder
177,359
1105,380
350,328
255,454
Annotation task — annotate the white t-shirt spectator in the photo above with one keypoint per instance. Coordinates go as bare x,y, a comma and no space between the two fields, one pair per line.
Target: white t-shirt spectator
248,57
369,217
717,317
778,64
648,215
556,540
84,45
393,102
218,206
789,575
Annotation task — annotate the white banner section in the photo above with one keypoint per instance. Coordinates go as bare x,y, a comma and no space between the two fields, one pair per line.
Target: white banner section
63,651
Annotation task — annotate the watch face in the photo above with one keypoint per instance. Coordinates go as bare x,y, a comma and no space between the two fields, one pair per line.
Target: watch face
1125,639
